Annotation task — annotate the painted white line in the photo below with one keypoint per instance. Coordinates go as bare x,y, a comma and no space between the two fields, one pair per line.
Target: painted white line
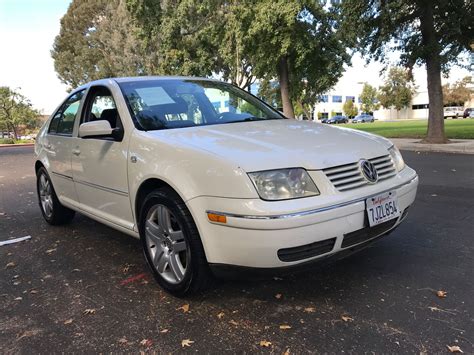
16,240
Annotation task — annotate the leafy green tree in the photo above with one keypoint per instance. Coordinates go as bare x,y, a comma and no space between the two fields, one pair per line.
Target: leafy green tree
350,109
458,93
98,39
297,42
368,98
16,111
268,91
397,90
430,32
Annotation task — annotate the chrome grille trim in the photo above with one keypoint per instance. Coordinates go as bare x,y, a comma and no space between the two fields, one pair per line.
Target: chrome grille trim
348,176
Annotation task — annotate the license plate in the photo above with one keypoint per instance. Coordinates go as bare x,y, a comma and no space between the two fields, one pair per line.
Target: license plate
382,208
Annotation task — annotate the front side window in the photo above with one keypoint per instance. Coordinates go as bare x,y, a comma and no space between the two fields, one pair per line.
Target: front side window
176,103
100,105
63,120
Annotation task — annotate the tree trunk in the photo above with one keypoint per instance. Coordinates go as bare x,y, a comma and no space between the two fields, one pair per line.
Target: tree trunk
285,88
435,132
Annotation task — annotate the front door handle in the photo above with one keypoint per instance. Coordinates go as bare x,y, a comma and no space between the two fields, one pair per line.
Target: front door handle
76,152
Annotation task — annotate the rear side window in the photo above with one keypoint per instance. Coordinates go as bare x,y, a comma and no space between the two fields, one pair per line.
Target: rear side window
63,121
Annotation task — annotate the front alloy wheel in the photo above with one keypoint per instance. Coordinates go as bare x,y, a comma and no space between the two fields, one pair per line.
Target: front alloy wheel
172,244
166,244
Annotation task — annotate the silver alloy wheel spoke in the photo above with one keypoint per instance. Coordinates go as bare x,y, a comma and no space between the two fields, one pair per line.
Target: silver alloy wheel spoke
176,267
179,246
160,261
166,244
164,218
154,231
176,235
46,196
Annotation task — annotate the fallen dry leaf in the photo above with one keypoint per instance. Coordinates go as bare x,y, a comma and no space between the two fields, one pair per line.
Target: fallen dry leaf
233,322
310,310
68,321
49,251
287,352
285,326
265,343
34,291
28,333
89,311
184,308
146,342
278,296
123,341
10,264
454,349
347,318
164,331
441,294
220,315
18,298
186,342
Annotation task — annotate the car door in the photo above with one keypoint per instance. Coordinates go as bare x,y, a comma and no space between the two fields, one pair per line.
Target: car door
58,143
99,164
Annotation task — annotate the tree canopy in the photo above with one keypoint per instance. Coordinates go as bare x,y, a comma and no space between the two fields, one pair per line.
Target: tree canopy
368,98
297,43
16,111
350,109
98,39
425,32
397,90
458,93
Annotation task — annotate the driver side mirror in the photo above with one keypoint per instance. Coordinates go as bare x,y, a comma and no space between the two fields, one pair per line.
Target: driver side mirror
99,128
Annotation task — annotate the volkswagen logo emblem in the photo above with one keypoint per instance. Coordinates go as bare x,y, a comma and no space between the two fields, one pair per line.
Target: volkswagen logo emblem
368,171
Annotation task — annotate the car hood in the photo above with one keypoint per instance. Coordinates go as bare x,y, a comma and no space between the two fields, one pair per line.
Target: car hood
273,144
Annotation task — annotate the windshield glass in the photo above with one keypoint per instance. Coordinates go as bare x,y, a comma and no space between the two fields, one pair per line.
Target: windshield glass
178,103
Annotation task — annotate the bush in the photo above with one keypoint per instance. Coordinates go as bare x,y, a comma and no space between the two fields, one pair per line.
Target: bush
7,141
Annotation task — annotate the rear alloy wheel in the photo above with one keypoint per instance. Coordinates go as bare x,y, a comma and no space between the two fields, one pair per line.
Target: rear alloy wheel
172,245
53,211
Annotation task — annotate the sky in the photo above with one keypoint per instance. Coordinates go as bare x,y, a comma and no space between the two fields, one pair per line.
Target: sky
27,32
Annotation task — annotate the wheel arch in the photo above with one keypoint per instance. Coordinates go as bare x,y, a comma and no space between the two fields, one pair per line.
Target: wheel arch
145,188
38,165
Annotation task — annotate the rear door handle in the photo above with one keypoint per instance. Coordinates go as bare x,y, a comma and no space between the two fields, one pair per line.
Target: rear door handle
76,152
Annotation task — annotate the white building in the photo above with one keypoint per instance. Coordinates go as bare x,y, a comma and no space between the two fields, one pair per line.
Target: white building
331,105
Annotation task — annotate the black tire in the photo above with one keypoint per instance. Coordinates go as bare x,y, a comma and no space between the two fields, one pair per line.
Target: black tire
197,276
58,214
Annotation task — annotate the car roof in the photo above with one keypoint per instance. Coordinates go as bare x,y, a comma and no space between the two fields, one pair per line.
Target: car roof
128,79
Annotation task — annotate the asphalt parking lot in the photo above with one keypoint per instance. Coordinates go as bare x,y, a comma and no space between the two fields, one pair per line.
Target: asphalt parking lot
85,287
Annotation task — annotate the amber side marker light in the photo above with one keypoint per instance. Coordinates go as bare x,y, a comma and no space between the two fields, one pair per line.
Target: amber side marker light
217,218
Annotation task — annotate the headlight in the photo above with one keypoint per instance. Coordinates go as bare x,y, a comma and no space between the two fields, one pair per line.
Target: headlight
397,158
283,184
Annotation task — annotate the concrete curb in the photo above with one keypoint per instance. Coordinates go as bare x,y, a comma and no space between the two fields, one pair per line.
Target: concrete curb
456,146
17,145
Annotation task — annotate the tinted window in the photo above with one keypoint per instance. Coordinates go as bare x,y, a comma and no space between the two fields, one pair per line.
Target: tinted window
100,106
63,121
165,104
337,98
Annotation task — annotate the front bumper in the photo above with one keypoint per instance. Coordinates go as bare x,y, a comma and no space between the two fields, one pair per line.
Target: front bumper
264,235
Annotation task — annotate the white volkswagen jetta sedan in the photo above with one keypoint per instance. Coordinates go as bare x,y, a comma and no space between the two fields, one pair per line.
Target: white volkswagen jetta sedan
212,180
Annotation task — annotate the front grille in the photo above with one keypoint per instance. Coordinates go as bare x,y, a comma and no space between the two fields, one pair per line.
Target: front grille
348,176
367,233
306,251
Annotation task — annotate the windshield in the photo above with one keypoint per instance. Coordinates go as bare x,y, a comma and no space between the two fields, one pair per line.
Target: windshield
177,103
